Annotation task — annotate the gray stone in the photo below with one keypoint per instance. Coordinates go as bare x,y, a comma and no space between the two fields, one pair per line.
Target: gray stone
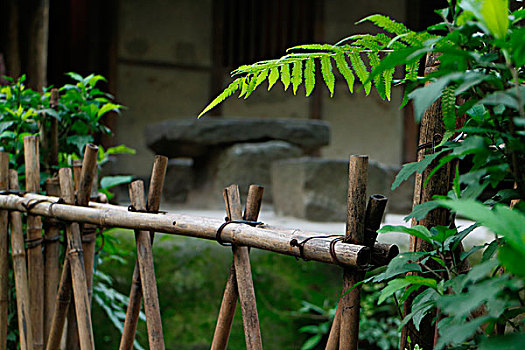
249,163
316,189
197,137
178,181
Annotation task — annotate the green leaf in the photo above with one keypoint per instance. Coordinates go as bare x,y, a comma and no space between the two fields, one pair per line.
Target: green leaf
448,106
513,341
495,16
399,283
272,79
297,75
401,264
410,168
111,181
75,76
345,71
5,125
311,342
361,71
120,149
285,75
232,88
309,76
417,231
79,141
328,75
108,107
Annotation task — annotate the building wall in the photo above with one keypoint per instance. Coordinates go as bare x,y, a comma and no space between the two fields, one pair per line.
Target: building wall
164,72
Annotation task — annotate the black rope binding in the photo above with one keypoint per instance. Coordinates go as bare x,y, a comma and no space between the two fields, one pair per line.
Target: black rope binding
35,242
226,222
295,243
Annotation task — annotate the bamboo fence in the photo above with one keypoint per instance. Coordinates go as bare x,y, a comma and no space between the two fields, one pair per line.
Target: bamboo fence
47,297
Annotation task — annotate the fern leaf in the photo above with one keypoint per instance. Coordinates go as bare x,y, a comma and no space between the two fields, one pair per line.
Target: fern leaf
388,76
360,70
272,79
261,77
316,47
387,24
345,71
448,106
297,75
244,86
309,76
251,85
411,70
378,80
328,75
285,76
230,90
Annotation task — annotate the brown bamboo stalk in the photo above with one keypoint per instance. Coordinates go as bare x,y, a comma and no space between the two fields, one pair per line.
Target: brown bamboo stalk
147,273
78,276
51,252
34,236
53,131
18,253
37,19
135,296
355,233
243,274
63,299
231,295
262,237
4,253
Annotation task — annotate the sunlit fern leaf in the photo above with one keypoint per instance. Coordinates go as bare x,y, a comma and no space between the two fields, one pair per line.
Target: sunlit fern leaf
328,75
285,75
387,24
360,70
309,76
297,75
272,78
251,85
411,70
244,86
345,71
230,90
379,81
448,107
261,77
388,76
317,47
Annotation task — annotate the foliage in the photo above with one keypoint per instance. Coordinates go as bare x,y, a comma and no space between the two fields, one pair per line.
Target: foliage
24,112
480,83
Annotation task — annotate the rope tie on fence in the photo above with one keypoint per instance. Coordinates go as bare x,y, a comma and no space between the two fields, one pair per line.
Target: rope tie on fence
35,242
295,243
436,139
52,239
89,233
226,222
15,192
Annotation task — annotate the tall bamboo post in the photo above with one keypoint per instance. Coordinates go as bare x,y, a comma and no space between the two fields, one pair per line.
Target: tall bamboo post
4,253
135,296
34,238
38,18
20,269
51,253
147,273
243,275
355,233
231,295
76,262
429,133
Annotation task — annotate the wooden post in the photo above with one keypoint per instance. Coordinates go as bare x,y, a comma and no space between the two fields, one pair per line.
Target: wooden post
355,233
38,38
51,268
231,295
34,238
243,275
18,253
78,275
135,296
147,272
4,253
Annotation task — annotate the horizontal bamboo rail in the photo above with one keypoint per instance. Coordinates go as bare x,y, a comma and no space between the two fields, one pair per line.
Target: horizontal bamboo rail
262,237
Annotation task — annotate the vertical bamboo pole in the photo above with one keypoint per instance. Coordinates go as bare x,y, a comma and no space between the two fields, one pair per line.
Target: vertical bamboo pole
34,236
4,253
63,299
243,275
51,252
147,273
135,296
355,233
78,275
20,269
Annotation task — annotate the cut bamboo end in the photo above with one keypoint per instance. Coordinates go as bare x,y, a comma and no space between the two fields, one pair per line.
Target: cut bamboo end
88,174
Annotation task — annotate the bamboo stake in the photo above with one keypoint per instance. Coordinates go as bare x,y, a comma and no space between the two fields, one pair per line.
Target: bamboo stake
262,237
63,299
355,233
51,268
4,253
76,262
147,273
231,295
243,275
34,236
135,296
19,268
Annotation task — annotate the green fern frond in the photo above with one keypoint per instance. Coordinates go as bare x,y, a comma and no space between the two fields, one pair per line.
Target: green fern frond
272,78
448,107
251,86
261,77
360,70
285,76
387,24
388,77
345,71
328,75
230,90
412,70
316,47
309,76
297,75
379,81
244,85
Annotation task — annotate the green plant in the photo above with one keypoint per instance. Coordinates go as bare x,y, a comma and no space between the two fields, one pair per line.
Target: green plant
480,80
